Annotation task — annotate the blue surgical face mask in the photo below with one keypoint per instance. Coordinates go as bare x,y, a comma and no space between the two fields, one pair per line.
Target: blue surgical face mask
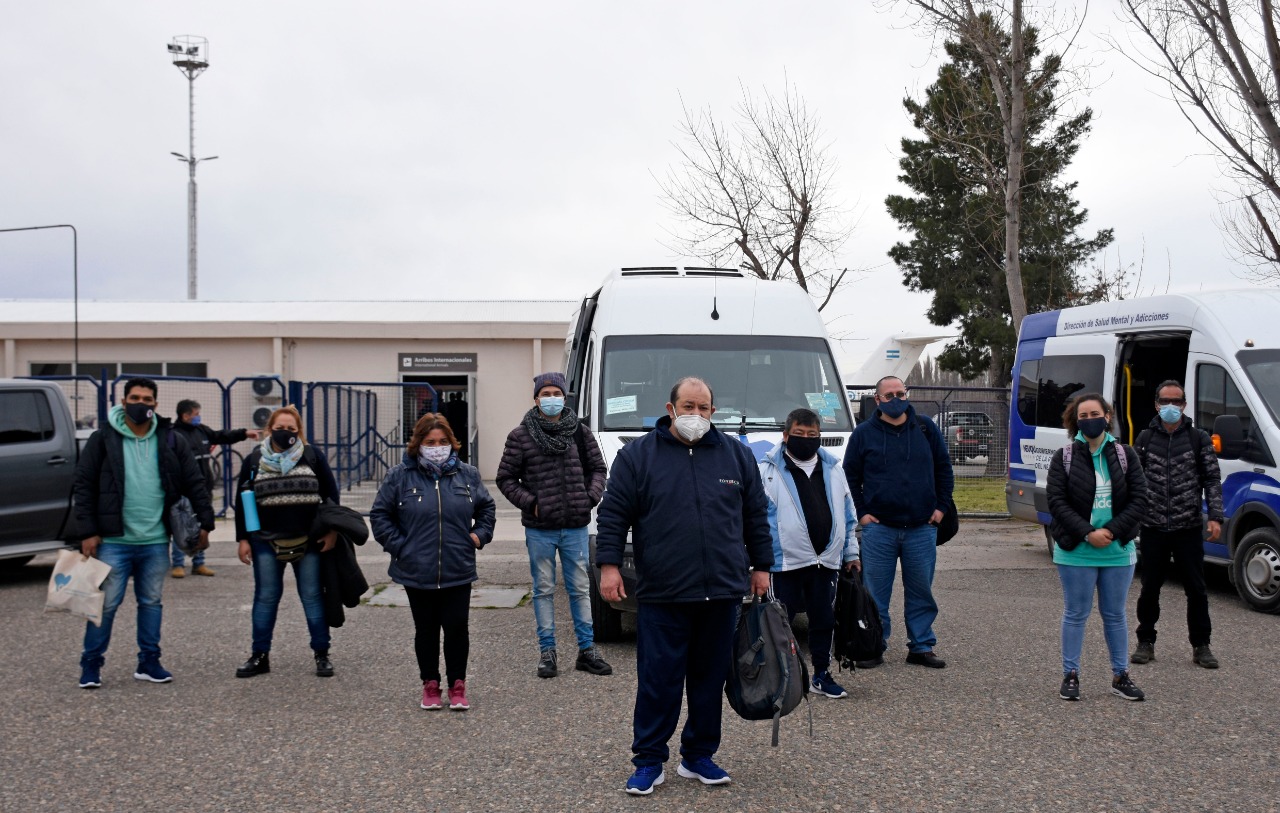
1170,413
195,420
893,408
551,405
1092,427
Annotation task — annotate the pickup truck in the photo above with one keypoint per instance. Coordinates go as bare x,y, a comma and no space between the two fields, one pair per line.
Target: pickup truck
38,453
968,434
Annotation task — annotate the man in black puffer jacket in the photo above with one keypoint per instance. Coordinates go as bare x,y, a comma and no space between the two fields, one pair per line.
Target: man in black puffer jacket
552,470
1182,473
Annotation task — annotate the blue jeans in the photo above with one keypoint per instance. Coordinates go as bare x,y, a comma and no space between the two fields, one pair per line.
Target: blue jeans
268,586
147,564
1078,585
574,559
179,558
917,547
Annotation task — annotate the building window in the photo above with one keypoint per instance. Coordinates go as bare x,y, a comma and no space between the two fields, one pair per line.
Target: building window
186,369
189,369
142,368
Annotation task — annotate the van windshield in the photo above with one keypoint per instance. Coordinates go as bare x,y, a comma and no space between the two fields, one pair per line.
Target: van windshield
759,378
1263,369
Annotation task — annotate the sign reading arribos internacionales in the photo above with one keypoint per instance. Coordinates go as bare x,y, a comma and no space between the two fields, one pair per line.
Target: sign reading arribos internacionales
438,362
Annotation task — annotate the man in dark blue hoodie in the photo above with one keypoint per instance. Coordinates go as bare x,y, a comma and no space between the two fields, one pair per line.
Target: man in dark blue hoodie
900,475
692,500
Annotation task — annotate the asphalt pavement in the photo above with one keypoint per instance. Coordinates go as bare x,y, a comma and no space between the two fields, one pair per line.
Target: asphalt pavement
986,733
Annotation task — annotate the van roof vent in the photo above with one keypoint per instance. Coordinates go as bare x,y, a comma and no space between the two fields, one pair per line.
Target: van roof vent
672,271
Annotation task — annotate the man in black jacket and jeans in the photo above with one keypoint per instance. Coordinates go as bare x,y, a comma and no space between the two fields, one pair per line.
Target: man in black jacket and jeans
130,474
698,515
201,439
1181,468
552,470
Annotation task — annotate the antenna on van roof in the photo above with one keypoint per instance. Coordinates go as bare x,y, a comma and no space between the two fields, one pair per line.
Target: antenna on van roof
715,312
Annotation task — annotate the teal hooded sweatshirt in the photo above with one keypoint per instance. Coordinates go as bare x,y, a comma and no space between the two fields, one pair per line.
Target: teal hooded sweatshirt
143,493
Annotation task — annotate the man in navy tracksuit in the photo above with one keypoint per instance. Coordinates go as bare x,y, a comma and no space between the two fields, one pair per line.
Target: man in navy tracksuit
692,499
900,475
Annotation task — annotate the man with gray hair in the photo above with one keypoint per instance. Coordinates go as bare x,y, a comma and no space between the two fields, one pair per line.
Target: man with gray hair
692,500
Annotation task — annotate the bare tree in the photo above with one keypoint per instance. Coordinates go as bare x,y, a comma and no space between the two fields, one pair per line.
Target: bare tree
759,194
1221,61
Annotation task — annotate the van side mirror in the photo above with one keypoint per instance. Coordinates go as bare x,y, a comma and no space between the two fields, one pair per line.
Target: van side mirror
1228,437
571,401
866,407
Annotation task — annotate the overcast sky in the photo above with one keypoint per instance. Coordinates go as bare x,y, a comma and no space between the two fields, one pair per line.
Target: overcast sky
424,150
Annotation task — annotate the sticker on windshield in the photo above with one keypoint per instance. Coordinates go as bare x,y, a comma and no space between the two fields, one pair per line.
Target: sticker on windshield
622,403
827,415
818,401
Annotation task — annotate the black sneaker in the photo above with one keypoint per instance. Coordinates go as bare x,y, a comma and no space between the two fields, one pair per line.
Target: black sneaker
872,663
324,666
1145,652
547,664
259,663
1123,686
1070,686
589,660
1204,657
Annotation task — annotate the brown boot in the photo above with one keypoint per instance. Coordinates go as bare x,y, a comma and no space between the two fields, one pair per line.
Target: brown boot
178,573
201,570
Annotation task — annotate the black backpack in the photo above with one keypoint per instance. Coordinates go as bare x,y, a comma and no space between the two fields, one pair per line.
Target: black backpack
767,677
858,634
950,524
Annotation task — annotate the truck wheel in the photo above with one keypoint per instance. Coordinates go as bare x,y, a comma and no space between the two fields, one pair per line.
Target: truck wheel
605,620
1255,569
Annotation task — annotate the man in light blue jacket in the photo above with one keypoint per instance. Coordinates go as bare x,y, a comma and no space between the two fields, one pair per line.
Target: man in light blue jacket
814,525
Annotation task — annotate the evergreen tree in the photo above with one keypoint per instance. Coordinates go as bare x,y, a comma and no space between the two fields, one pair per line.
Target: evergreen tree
957,211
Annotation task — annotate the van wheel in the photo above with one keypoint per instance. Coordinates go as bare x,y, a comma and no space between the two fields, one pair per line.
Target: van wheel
1255,569
1048,539
605,620
14,563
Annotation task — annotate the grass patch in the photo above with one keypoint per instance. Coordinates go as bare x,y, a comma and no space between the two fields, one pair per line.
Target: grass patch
980,494
377,588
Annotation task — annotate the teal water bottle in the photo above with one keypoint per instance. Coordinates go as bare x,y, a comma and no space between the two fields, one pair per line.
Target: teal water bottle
249,505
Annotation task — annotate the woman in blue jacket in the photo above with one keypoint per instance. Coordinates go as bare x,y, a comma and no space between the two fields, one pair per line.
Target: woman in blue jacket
432,514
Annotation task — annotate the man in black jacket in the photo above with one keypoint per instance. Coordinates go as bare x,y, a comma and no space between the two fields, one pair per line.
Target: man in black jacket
1181,468
552,470
201,439
130,474
692,499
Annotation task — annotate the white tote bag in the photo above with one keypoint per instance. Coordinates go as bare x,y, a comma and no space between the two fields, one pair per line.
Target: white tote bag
74,586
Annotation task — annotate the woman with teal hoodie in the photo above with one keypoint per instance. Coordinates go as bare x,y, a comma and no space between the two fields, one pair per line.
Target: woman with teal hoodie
1097,498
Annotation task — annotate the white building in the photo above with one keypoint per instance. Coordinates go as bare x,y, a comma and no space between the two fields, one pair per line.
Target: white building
484,353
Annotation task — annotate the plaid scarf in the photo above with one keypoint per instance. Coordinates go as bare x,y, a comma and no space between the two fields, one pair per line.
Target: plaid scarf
553,437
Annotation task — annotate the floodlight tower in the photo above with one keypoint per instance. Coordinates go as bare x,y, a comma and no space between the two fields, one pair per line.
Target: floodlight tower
191,56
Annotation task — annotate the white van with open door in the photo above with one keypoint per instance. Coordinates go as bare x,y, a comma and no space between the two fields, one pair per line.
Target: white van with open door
761,345
1224,346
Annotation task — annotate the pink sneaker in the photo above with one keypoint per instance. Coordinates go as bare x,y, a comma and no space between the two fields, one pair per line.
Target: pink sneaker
431,695
458,696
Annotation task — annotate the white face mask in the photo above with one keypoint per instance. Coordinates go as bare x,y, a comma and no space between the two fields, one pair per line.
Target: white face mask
691,427
436,455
